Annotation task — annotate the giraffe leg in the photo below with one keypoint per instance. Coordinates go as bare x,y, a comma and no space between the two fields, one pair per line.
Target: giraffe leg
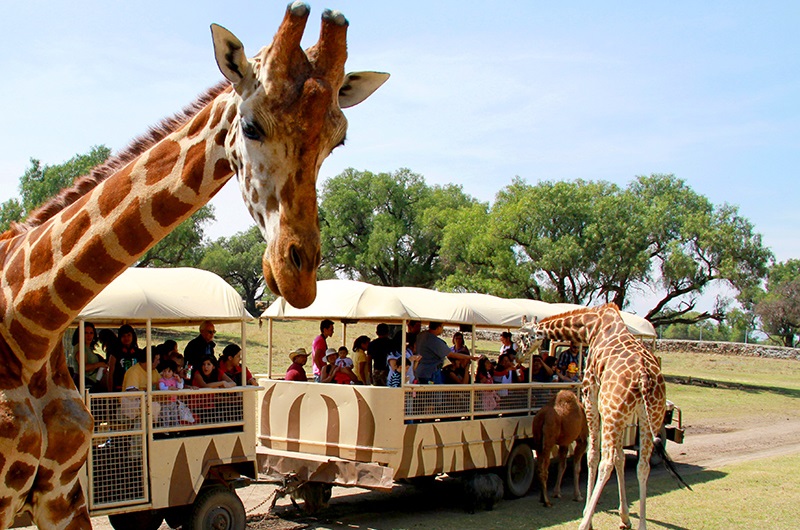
619,464
562,465
593,456
643,471
603,474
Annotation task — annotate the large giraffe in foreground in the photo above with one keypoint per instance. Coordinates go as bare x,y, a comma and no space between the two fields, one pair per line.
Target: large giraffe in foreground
272,123
622,381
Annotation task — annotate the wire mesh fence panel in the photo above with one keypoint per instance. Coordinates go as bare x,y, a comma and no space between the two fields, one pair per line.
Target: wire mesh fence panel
441,402
196,409
117,473
430,402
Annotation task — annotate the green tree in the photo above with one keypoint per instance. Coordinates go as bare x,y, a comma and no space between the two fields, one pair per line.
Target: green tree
583,241
779,307
551,229
480,261
695,245
182,247
40,183
384,228
237,259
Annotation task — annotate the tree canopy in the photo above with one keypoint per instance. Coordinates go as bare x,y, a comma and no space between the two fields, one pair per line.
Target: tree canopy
582,242
386,228
237,259
182,247
779,306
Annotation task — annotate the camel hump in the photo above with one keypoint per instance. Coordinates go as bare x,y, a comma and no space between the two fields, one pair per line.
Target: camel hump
566,400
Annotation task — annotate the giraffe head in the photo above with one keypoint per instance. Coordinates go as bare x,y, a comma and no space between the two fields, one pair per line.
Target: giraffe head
288,119
529,336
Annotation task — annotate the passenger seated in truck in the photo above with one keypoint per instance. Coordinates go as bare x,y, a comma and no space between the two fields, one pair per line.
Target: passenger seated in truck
230,362
540,372
345,375
572,374
490,400
329,369
136,376
519,374
172,410
457,372
395,381
503,372
208,376
568,356
169,380
296,372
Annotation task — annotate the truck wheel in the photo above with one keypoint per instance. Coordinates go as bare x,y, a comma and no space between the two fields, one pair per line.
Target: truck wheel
217,508
518,474
144,520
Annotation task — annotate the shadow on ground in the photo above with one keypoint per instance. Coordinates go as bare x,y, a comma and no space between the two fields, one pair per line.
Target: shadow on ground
441,504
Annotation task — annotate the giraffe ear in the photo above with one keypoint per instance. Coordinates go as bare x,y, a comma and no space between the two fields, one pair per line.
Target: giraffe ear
231,60
358,86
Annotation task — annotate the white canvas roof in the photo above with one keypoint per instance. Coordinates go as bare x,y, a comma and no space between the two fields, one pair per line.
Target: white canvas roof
166,297
351,300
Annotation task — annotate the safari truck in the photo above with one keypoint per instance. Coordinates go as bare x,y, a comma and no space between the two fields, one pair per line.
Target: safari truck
173,455
368,436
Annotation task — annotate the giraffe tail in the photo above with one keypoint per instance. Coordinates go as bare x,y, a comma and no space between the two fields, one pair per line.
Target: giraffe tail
658,447
655,426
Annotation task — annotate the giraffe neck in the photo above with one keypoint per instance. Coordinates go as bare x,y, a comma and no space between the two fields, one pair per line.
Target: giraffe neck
582,326
53,270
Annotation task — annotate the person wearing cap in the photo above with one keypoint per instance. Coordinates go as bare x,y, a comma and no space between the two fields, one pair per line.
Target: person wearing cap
296,372
568,356
329,370
572,373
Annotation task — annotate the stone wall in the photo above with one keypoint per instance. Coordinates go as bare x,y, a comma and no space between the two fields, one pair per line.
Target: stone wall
728,348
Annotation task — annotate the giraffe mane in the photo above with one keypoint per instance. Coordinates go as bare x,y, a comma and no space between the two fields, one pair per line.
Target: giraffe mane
84,184
582,310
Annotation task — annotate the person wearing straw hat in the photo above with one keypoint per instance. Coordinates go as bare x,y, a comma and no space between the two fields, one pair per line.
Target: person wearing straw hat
296,372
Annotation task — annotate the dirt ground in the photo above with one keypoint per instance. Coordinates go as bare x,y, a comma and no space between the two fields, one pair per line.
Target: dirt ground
440,505
743,440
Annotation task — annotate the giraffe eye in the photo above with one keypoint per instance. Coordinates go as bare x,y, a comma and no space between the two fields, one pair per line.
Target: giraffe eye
251,131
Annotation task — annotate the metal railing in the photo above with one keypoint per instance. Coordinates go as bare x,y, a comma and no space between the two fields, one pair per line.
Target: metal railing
468,402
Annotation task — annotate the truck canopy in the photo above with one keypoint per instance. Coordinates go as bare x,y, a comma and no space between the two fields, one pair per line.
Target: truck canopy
348,300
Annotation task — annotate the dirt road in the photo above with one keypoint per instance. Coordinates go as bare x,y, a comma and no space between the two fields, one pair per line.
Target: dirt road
743,440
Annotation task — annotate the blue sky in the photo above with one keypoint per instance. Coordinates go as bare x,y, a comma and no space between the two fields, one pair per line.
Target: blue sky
480,92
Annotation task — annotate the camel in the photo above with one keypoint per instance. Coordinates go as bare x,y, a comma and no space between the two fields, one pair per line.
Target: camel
559,423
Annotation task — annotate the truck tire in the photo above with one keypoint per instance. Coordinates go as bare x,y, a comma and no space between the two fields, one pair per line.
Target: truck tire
217,508
144,520
518,472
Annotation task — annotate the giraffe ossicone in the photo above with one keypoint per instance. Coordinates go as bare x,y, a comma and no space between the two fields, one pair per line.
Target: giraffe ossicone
272,122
